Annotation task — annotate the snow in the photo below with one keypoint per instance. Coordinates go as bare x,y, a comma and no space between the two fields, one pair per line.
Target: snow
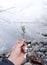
15,13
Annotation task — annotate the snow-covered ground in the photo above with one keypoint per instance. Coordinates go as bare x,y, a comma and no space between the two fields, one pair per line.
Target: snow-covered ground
14,14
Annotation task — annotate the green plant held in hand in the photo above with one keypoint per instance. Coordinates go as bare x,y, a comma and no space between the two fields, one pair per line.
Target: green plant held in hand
23,31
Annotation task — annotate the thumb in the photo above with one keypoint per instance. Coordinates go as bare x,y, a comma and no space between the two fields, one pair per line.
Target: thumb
20,44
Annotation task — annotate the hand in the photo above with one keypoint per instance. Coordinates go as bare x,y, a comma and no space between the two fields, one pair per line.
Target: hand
17,53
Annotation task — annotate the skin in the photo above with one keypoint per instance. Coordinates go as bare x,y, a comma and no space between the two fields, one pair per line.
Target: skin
17,53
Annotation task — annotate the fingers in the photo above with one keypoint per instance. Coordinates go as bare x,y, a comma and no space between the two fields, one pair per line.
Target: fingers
22,43
14,47
23,50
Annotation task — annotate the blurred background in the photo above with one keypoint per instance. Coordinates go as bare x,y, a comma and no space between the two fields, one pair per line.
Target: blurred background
16,13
